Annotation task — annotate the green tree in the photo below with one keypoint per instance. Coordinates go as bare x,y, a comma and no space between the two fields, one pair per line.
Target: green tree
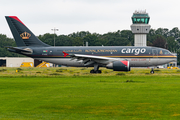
172,44
4,41
174,33
150,37
48,38
64,40
128,36
77,41
92,40
79,34
162,31
159,41
178,56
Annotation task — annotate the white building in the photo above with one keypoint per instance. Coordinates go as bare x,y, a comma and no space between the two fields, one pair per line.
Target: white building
14,61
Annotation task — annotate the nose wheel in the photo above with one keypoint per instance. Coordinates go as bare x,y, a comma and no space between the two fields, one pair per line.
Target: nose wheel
152,71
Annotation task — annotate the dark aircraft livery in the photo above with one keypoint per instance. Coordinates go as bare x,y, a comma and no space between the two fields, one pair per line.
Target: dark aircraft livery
118,58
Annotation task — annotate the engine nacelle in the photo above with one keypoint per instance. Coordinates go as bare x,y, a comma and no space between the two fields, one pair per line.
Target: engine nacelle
119,66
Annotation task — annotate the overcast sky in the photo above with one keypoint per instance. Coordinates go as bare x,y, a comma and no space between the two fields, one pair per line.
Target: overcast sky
99,16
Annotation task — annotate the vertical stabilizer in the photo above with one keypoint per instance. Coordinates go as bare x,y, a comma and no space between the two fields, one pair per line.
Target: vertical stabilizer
22,35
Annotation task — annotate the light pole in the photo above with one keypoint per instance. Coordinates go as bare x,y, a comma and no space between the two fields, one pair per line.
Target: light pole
54,34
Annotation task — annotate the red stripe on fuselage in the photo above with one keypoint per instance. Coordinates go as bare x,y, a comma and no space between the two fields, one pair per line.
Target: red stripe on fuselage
16,18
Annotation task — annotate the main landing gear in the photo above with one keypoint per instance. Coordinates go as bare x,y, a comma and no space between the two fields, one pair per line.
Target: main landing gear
152,71
96,69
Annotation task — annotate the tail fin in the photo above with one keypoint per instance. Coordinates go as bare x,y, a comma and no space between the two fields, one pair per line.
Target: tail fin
22,35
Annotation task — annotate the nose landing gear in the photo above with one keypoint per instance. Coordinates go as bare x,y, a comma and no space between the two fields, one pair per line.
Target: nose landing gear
152,71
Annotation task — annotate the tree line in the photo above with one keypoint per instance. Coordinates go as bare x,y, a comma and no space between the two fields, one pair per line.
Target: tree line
161,37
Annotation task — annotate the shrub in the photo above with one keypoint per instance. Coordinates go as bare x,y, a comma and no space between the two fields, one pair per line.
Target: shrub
120,74
105,71
55,74
19,69
131,72
157,70
129,81
59,70
83,69
3,70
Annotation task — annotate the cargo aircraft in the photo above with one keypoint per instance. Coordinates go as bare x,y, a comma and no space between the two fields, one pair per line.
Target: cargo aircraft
118,58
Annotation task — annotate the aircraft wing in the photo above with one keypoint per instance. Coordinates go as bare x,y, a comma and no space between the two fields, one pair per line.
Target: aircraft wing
91,59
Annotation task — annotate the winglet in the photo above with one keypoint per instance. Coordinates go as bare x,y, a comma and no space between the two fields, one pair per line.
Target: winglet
65,54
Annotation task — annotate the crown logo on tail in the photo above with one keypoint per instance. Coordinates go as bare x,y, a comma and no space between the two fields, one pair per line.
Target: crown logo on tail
25,35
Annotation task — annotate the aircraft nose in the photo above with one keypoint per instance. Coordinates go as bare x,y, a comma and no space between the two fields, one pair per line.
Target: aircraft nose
175,57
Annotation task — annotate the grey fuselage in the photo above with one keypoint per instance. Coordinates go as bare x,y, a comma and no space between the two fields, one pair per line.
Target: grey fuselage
137,56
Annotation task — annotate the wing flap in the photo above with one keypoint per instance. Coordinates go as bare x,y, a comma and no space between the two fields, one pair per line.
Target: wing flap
89,63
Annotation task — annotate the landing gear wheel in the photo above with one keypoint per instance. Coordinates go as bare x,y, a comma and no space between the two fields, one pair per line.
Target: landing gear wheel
152,71
98,71
92,71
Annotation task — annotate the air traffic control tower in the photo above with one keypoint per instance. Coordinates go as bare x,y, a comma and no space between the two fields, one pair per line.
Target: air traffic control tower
140,27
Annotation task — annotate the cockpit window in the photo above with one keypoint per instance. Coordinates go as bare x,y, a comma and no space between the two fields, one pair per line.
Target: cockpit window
167,52
164,52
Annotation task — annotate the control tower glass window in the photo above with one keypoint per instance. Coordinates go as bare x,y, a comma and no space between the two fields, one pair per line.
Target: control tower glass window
140,18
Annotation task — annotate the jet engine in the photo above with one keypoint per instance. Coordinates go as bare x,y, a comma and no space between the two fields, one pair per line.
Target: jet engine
119,66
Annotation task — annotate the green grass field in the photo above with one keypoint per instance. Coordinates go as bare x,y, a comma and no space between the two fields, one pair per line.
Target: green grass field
73,93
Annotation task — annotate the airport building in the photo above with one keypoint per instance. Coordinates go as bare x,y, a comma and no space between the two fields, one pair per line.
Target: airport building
140,27
14,61
22,62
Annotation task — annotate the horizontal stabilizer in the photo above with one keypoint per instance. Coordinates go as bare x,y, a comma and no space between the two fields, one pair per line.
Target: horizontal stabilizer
18,50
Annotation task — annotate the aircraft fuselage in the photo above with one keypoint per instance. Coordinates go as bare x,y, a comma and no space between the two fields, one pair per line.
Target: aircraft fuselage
137,56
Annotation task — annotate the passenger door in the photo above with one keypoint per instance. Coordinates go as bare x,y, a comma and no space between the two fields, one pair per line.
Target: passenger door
155,57
155,53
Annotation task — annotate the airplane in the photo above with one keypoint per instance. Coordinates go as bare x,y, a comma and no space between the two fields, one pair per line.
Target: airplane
118,58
